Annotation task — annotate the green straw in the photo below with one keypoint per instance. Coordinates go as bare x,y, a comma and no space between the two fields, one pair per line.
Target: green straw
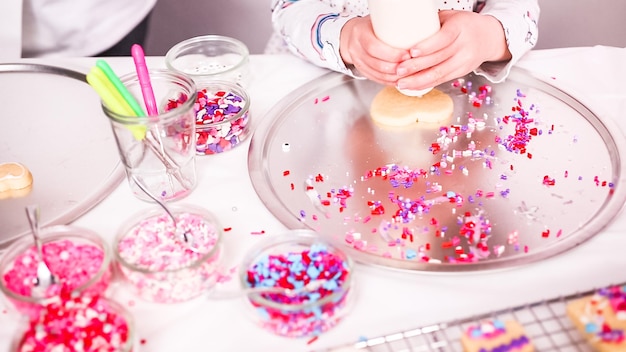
121,88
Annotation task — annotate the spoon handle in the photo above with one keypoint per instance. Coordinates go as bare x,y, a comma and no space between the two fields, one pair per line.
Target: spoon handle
32,212
149,194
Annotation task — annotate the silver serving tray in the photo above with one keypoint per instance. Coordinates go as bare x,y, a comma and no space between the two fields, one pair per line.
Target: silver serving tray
52,122
563,188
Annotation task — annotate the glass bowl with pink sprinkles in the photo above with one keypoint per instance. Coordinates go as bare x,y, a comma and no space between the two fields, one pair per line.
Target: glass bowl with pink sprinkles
158,264
78,323
317,278
79,258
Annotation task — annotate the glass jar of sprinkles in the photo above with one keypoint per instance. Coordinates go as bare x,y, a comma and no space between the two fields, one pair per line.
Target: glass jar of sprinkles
316,276
167,263
79,258
78,323
211,57
222,117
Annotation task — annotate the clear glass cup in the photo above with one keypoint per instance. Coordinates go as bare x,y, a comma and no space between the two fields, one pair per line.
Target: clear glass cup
222,117
159,150
156,262
79,258
114,327
319,284
211,57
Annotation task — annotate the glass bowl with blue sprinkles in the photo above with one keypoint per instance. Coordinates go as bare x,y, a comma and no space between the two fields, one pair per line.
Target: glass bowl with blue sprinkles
300,285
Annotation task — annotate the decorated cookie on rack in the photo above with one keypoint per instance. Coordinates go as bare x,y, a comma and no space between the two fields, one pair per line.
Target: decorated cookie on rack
496,335
601,318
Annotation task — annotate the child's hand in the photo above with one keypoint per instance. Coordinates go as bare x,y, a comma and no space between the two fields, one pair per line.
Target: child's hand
374,59
465,41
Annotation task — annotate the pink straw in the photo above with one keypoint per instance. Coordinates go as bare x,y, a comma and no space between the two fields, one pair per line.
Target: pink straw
144,79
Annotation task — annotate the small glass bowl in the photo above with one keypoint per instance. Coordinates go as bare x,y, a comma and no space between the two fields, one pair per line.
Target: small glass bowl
84,319
154,260
211,57
79,258
222,117
317,275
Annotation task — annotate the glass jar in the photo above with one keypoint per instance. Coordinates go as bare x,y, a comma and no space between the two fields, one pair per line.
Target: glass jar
211,57
167,263
222,117
89,323
316,276
79,258
159,150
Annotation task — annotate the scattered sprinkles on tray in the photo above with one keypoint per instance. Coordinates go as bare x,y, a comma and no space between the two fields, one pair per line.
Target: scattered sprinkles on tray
393,214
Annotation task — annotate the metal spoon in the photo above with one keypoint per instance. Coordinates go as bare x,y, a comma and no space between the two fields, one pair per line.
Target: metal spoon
186,236
313,285
44,278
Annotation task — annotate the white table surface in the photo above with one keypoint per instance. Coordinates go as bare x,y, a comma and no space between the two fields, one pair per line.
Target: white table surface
386,301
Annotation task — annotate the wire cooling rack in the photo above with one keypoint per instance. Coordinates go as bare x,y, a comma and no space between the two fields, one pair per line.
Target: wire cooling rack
545,322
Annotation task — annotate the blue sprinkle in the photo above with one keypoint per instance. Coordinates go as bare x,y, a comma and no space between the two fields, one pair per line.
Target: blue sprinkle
591,328
330,285
410,254
263,313
312,272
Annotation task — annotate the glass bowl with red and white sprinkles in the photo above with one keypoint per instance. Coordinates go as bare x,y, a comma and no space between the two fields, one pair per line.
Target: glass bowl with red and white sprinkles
316,276
158,264
79,258
222,117
78,323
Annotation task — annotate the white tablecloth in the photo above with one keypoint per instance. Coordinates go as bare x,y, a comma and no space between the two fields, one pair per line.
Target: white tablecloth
386,301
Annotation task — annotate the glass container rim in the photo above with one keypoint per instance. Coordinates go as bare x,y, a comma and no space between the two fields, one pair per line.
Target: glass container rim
174,51
179,78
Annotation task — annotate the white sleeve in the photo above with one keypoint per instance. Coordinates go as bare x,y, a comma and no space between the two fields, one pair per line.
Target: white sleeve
519,19
311,30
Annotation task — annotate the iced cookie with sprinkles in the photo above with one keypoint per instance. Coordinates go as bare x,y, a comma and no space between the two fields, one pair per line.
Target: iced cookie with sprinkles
601,318
496,336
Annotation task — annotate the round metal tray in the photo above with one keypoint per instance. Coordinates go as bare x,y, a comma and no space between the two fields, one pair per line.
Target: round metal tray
510,192
52,123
